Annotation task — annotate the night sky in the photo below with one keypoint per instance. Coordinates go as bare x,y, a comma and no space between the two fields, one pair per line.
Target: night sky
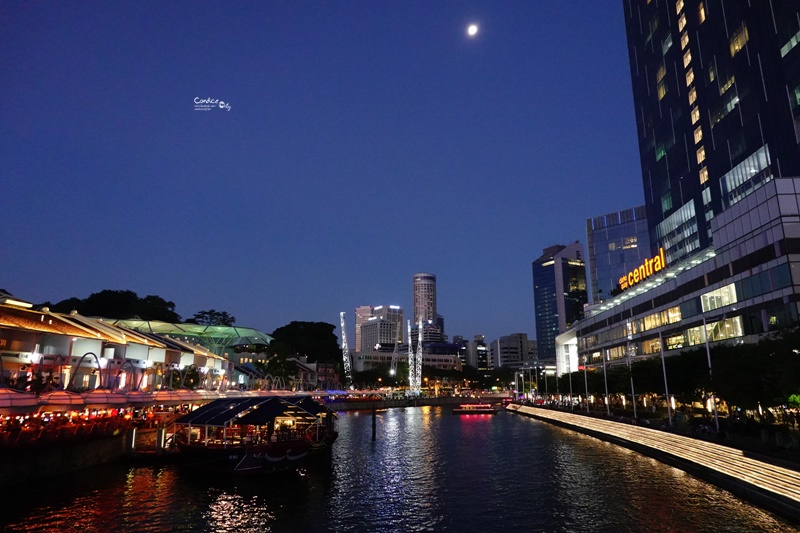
365,141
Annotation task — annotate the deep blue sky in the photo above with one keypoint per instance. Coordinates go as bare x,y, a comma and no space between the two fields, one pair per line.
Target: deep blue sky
366,141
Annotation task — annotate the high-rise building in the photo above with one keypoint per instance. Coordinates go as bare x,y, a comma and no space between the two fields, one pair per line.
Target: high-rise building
617,243
363,313
716,89
424,290
513,351
559,293
389,331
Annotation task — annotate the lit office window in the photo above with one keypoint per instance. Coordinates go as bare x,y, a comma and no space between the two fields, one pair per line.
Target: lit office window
679,6
703,175
689,77
682,22
662,89
687,58
719,298
701,155
727,85
684,40
692,95
666,44
695,115
661,72
698,135
739,39
701,13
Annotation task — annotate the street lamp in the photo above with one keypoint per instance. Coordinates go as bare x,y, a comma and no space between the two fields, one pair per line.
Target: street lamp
569,371
710,377
586,383
605,379
631,348
666,387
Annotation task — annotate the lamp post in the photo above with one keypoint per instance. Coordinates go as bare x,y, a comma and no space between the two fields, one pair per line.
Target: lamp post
544,373
605,380
666,386
569,371
710,377
631,348
586,383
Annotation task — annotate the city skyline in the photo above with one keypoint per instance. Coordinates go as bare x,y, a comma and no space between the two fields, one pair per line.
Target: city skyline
288,162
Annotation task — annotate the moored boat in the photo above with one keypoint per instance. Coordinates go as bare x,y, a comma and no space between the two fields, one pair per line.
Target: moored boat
255,434
475,408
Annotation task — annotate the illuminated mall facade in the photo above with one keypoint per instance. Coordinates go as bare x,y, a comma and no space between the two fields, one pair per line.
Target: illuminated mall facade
716,96
746,285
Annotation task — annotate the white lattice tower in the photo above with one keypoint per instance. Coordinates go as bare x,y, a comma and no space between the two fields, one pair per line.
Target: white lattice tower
418,362
411,356
348,373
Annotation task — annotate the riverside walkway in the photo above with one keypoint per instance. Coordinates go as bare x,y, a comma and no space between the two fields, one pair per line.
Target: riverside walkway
758,479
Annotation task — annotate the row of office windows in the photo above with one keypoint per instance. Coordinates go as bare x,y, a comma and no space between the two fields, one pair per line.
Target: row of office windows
720,330
759,284
779,276
777,312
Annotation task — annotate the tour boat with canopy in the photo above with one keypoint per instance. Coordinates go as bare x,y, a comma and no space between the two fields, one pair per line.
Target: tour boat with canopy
255,434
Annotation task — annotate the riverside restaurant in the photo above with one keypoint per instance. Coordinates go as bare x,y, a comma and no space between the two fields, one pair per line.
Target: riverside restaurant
67,376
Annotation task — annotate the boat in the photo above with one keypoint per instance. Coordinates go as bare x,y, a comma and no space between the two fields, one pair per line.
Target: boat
255,434
475,409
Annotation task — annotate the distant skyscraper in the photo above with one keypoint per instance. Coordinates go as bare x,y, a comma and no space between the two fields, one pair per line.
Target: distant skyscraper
513,351
716,90
424,297
617,243
559,293
363,313
390,318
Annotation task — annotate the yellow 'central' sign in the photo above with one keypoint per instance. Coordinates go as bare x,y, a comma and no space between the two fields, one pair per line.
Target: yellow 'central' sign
647,269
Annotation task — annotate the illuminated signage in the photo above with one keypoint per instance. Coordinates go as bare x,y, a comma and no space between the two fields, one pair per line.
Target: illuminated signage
645,270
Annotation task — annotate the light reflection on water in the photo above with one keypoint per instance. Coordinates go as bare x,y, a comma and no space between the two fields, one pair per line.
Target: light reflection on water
428,470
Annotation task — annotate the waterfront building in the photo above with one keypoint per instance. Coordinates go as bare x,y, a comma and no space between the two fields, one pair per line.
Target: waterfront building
616,244
559,293
363,313
513,351
42,350
717,96
443,357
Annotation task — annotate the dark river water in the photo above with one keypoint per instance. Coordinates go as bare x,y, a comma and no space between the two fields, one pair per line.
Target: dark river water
428,470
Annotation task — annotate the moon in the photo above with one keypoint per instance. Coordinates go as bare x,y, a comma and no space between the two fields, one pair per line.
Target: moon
472,30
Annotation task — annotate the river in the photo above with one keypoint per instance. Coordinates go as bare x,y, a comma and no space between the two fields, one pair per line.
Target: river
428,470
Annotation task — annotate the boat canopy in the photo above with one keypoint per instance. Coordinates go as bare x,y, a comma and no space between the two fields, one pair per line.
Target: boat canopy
254,411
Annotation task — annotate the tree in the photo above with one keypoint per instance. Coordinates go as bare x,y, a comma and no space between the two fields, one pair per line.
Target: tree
212,317
121,305
315,340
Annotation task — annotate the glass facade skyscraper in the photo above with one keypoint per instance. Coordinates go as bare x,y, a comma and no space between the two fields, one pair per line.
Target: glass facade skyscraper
559,293
617,243
716,87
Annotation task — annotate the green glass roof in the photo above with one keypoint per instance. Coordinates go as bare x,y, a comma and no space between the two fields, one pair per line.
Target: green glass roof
218,339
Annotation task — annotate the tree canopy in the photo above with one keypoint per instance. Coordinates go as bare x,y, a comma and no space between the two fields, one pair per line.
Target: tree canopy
316,340
119,304
212,317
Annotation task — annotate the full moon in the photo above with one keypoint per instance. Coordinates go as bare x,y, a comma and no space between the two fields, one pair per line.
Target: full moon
472,30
